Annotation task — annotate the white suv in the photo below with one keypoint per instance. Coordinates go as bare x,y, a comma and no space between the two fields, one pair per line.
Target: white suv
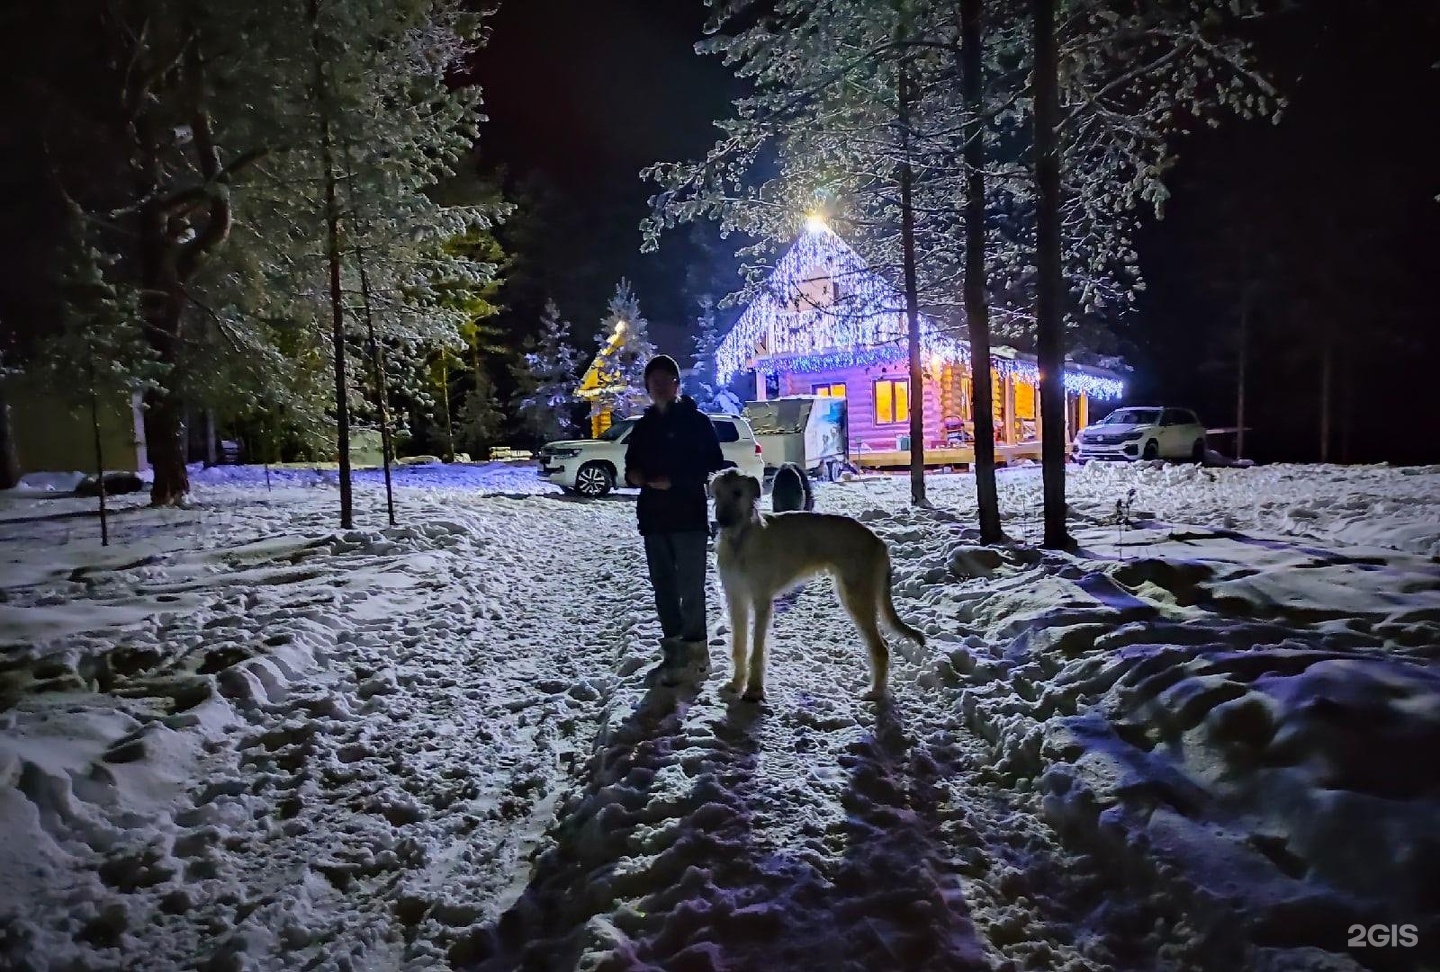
593,467
1146,432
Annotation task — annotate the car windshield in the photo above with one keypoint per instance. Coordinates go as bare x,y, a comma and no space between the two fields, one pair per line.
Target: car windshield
1131,416
616,431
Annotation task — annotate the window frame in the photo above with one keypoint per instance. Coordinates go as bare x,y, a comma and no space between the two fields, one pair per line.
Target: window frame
875,409
728,424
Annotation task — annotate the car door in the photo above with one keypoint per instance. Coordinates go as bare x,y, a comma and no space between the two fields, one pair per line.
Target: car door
615,453
1172,430
1189,431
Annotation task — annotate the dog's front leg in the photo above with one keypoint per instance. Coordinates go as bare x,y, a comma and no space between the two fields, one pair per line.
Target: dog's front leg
755,689
739,633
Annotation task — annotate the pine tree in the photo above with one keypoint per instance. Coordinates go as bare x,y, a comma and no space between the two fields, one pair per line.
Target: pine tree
703,384
192,139
100,358
480,418
546,400
625,349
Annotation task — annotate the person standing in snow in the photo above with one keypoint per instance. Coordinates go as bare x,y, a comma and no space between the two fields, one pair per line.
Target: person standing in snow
671,454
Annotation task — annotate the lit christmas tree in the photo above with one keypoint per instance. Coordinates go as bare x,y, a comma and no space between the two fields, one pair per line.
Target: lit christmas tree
619,369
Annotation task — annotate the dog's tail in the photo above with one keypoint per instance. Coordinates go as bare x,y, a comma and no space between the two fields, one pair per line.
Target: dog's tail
892,617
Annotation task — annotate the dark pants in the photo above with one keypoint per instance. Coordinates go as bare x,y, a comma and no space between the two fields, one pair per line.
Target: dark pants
678,565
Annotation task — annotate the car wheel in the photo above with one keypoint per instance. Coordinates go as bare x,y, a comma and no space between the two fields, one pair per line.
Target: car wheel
1152,450
594,480
1197,451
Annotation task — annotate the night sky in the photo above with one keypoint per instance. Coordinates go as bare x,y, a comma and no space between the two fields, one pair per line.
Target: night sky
1339,197
587,93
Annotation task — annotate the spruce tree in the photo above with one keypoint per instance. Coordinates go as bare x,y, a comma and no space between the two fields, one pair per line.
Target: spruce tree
100,358
546,399
703,383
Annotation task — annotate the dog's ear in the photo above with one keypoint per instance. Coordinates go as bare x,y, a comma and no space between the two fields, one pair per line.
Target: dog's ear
753,486
710,483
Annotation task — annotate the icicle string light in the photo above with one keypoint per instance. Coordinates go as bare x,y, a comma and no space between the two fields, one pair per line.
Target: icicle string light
824,309
1076,382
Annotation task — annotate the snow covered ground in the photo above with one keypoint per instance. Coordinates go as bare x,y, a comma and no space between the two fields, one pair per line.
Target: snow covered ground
239,738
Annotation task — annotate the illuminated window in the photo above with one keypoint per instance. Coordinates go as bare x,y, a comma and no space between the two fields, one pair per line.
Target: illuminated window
892,401
833,390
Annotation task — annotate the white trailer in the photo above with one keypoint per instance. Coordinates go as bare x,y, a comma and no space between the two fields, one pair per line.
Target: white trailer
809,430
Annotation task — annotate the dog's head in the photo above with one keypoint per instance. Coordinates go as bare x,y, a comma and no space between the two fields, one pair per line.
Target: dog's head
735,496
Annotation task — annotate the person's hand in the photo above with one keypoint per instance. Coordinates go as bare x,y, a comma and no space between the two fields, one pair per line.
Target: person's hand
660,482
633,478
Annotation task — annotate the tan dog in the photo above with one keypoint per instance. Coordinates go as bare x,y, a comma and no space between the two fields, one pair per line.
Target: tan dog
762,556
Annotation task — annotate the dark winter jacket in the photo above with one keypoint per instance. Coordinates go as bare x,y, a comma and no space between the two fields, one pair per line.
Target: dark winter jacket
679,444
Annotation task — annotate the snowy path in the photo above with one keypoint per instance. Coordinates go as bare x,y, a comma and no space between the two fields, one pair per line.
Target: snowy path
240,740
816,831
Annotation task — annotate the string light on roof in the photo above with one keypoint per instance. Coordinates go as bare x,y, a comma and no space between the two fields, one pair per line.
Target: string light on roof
860,321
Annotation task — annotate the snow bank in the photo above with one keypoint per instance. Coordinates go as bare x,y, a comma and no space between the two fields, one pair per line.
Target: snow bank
49,482
1255,731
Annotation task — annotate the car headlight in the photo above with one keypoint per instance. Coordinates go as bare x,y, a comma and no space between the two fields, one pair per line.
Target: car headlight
1131,436
564,453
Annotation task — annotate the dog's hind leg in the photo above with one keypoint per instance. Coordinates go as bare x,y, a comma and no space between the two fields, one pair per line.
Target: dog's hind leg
739,635
755,687
859,598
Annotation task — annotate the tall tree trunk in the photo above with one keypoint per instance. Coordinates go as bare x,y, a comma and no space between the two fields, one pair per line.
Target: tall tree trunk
1346,387
1240,376
162,309
977,304
332,253
912,302
99,457
377,362
445,400
165,434
177,232
1327,358
381,393
211,439
9,457
1049,313
479,369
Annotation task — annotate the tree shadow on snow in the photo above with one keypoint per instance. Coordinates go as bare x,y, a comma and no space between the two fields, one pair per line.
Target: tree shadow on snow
582,874
900,901
119,508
